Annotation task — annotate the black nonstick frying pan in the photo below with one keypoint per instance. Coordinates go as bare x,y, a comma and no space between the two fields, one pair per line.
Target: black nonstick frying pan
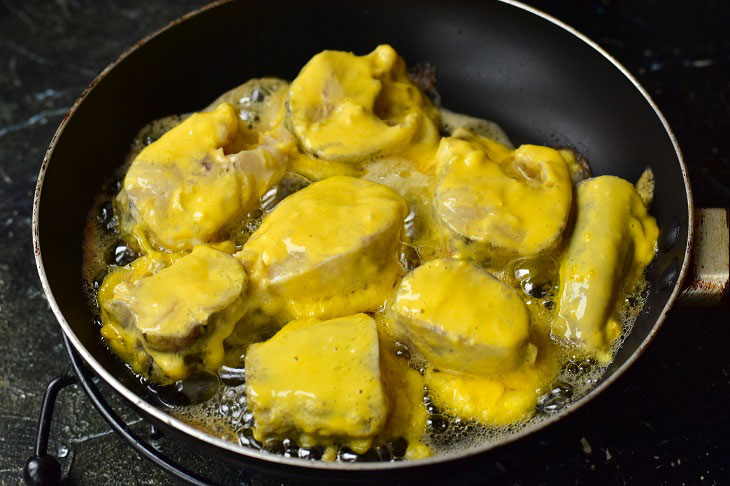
541,81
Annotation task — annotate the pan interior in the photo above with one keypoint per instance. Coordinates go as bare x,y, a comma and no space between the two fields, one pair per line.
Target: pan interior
538,81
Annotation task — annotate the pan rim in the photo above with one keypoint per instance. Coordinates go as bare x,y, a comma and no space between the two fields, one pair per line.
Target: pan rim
199,435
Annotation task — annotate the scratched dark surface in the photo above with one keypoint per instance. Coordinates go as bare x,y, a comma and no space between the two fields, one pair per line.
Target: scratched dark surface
666,421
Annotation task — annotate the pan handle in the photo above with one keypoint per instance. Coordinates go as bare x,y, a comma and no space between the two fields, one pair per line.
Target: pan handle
706,283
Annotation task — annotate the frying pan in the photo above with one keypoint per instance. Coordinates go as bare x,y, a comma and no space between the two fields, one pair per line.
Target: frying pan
539,79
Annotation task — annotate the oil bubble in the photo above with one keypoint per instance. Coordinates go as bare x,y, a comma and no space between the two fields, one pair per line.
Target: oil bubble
437,423
398,447
345,454
123,255
232,376
246,439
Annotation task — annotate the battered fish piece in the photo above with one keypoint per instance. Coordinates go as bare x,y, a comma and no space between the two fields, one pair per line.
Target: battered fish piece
462,319
613,241
184,190
499,203
328,250
174,306
318,383
347,108
484,361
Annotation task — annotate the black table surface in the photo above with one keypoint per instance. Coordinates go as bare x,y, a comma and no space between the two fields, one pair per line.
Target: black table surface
665,421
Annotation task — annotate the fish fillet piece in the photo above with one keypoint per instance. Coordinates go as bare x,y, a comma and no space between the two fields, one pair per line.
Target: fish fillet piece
499,203
318,382
185,190
346,107
186,308
461,318
613,240
327,250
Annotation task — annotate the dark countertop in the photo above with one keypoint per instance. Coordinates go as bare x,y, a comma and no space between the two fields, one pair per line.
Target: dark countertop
665,421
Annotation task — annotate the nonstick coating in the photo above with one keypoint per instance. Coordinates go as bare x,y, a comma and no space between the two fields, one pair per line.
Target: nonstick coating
539,81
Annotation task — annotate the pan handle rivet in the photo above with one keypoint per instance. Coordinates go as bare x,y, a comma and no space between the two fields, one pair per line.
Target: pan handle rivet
669,235
669,275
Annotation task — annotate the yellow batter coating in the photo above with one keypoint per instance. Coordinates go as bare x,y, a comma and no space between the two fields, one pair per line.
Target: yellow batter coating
404,387
501,398
499,203
166,307
462,319
318,382
328,250
347,107
614,239
183,190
